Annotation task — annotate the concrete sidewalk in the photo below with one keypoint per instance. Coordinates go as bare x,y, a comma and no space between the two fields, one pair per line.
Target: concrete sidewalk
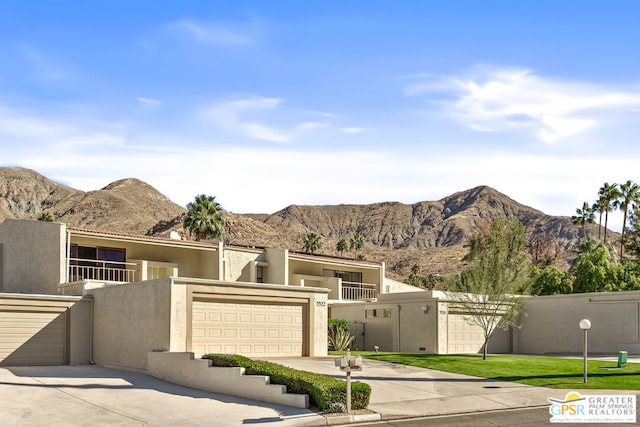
400,391
97,396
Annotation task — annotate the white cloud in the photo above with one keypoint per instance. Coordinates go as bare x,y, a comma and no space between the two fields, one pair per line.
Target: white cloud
354,130
231,115
215,34
506,99
148,103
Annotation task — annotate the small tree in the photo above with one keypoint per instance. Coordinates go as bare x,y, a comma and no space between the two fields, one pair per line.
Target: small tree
594,267
498,271
550,280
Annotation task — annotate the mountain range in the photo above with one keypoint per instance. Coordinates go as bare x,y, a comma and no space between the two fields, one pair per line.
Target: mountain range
431,234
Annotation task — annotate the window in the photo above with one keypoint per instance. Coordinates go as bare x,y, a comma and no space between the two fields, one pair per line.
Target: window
346,276
259,274
88,262
377,312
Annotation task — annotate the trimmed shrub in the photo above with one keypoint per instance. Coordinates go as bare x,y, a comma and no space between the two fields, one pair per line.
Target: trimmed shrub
322,390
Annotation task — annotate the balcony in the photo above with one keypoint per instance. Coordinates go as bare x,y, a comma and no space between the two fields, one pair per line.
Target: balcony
358,291
119,272
110,271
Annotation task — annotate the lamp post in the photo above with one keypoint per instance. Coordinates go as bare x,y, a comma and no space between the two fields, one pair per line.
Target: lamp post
585,324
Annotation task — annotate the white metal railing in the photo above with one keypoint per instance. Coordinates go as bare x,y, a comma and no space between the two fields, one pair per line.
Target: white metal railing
358,291
90,269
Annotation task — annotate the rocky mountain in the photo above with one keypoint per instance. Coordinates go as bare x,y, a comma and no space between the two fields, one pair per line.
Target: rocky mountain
431,234
128,205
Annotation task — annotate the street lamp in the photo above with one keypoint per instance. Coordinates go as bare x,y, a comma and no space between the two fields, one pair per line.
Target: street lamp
585,324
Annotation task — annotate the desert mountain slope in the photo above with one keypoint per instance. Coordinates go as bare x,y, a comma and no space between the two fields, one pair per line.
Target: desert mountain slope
431,234
25,193
446,222
128,205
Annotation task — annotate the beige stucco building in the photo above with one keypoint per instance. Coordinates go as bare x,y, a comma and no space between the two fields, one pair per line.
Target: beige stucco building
435,322
69,295
166,294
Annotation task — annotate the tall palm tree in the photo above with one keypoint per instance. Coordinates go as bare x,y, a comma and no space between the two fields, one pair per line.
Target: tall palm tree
598,207
584,216
607,194
312,242
356,243
204,218
629,195
342,246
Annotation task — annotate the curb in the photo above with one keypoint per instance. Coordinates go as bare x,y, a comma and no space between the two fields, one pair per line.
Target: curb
354,418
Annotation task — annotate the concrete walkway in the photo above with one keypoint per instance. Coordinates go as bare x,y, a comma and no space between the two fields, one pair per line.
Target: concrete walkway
400,391
96,396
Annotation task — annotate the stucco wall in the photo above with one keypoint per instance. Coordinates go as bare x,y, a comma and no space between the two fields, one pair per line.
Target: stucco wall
240,265
278,270
393,286
32,256
551,323
80,323
129,321
398,326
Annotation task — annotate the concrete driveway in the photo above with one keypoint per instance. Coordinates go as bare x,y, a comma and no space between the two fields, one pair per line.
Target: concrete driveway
97,396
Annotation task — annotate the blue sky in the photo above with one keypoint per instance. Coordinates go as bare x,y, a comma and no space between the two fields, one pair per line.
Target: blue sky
270,103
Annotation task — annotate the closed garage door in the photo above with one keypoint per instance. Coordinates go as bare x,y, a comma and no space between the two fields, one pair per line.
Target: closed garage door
32,338
463,336
261,330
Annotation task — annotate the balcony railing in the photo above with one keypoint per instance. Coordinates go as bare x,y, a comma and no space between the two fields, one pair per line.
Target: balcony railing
358,291
112,271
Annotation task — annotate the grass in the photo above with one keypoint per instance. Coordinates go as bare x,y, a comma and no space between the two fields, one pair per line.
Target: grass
541,371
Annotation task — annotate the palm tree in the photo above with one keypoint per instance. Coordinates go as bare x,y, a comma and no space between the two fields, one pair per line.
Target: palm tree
204,218
342,246
415,269
356,243
598,207
584,216
45,216
607,194
312,243
629,195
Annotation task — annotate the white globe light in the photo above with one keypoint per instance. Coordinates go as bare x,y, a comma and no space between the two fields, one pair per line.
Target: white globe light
585,324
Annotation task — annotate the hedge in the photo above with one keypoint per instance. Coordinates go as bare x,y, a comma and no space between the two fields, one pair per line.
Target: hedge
322,390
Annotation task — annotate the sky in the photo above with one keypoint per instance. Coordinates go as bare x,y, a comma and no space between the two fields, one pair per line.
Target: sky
265,104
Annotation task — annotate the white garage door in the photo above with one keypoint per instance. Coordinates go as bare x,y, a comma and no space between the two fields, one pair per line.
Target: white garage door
261,330
31,338
463,336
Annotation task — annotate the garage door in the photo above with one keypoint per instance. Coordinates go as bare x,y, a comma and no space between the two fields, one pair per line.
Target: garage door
32,338
261,330
463,336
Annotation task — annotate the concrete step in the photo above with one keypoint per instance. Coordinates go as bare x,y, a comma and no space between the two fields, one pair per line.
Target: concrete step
183,369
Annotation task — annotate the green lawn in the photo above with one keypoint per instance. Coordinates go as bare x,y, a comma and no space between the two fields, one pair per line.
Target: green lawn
539,371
